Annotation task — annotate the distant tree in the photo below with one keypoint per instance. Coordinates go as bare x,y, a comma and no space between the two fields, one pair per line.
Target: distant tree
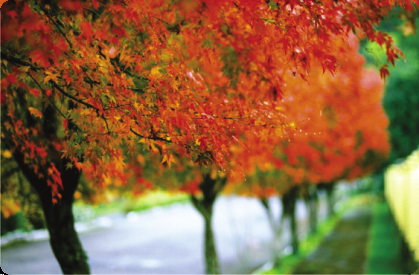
401,98
341,136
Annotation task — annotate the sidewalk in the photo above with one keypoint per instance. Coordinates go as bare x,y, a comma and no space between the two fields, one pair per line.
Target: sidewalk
366,240
344,250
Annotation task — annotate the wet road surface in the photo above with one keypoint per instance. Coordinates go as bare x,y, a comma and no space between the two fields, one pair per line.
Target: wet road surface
166,240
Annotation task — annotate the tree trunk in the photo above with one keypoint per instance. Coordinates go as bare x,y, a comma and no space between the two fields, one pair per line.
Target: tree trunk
64,240
265,204
311,200
59,218
211,258
289,200
210,189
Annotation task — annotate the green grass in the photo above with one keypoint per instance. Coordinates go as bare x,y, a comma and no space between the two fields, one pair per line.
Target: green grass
148,201
158,198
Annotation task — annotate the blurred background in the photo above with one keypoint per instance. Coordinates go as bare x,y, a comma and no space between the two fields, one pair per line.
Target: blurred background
365,225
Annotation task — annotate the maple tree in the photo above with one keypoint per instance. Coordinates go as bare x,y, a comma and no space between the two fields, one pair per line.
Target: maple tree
346,139
341,136
352,141
81,78
203,185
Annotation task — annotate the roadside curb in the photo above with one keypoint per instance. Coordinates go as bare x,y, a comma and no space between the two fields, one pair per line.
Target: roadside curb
267,266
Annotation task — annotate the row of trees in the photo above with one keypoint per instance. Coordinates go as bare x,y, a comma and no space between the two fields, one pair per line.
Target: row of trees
237,87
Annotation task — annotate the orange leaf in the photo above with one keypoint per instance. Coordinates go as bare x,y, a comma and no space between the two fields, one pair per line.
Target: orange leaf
35,112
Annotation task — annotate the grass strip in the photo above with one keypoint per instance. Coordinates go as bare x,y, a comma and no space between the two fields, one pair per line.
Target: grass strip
385,245
126,205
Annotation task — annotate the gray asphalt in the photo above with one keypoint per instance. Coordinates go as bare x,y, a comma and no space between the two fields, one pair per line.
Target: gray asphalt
166,240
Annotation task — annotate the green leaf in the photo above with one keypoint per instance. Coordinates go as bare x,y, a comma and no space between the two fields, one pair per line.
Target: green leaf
104,99
68,165
104,82
140,83
273,5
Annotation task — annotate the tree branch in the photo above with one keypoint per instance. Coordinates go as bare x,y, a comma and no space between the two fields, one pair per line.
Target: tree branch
36,82
72,97
153,138
58,27
18,61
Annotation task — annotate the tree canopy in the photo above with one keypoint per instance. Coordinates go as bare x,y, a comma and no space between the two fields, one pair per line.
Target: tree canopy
341,134
178,76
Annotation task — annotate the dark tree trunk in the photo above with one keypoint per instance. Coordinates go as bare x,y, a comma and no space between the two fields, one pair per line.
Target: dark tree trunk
210,189
328,187
289,200
59,218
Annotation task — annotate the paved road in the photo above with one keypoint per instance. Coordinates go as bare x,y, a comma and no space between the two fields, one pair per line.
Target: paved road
165,240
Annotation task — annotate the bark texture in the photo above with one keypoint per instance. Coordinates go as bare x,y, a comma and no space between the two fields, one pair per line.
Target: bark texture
59,217
289,200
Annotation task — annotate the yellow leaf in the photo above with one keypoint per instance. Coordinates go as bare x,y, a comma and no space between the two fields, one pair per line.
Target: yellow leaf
7,154
213,174
253,66
408,29
9,206
168,158
155,72
50,76
107,179
77,195
119,163
24,68
35,112
123,52
46,79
